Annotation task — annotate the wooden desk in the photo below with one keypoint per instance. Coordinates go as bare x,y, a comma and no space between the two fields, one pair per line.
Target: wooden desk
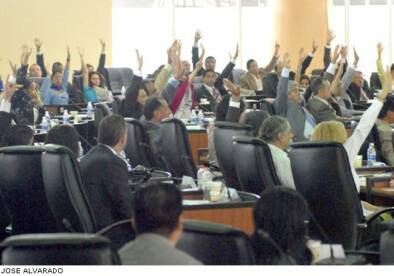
198,138
235,214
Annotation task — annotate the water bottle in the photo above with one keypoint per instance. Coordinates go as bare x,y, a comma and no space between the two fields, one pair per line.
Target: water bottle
200,117
204,177
194,118
371,154
80,150
89,109
44,124
66,118
123,91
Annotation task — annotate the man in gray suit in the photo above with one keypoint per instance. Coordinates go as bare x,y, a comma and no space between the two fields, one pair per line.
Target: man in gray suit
318,105
288,104
157,213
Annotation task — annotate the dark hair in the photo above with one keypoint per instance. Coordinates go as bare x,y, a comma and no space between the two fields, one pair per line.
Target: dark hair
157,208
111,130
305,77
249,63
26,84
205,72
18,135
392,67
55,72
151,105
55,67
255,119
387,106
130,106
99,75
64,135
210,57
281,212
317,85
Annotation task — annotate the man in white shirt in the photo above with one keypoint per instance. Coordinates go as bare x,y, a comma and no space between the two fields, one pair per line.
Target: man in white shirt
276,131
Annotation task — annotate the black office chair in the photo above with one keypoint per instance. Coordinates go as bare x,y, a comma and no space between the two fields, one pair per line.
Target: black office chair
138,149
375,82
216,244
101,111
116,105
254,165
386,247
68,200
57,249
23,192
64,190
118,78
270,83
174,149
322,174
223,134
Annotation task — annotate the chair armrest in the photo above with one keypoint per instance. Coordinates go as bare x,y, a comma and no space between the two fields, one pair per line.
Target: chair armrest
377,214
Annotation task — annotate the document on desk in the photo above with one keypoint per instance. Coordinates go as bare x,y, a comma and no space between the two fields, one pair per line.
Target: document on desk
195,202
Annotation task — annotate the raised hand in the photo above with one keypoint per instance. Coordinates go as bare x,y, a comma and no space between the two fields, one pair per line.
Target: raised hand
234,90
387,86
315,46
380,49
140,59
335,54
9,89
277,48
356,57
102,43
197,36
235,54
81,52
302,55
330,37
68,53
286,61
344,52
202,53
26,52
38,44
13,67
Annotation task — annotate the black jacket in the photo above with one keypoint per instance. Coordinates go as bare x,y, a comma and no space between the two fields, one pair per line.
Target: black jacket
105,178
203,93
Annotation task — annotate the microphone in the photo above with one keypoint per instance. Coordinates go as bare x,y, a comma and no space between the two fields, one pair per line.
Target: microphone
265,236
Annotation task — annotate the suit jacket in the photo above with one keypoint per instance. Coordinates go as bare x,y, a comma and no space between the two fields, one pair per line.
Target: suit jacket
321,111
386,141
203,93
225,112
105,178
153,249
292,111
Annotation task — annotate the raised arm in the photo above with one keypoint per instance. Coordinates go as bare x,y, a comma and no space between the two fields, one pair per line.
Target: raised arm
40,57
308,59
66,71
84,68
379,64
327,49
101,65
329,73
350,72
195,49
282,96
234,108
274,60
301,63
22,71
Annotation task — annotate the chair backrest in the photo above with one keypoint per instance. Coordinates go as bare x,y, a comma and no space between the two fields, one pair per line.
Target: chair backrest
223,134
138,149
22,190
57,249
373,137
118,77
65,194
375,81
174,149
101,110
116,105
216,244
322,174
386,247
254,165
270,82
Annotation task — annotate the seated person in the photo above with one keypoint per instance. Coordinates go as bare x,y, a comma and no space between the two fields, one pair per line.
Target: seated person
289,104
305,82
384,121
105,177
64,135
318,105
132,105
281,214
93,84
54,89
254,118
155,110
208,92
18,135
276,132
158,222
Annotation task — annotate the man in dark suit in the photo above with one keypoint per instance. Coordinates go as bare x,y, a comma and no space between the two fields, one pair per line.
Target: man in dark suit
105,176
207,96
155,110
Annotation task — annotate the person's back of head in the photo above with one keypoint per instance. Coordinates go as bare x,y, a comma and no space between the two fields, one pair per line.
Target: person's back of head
156,109
387,111
276,130
330,131
281,213
18,135
112,132
254,118
320,86
64,135
157,209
